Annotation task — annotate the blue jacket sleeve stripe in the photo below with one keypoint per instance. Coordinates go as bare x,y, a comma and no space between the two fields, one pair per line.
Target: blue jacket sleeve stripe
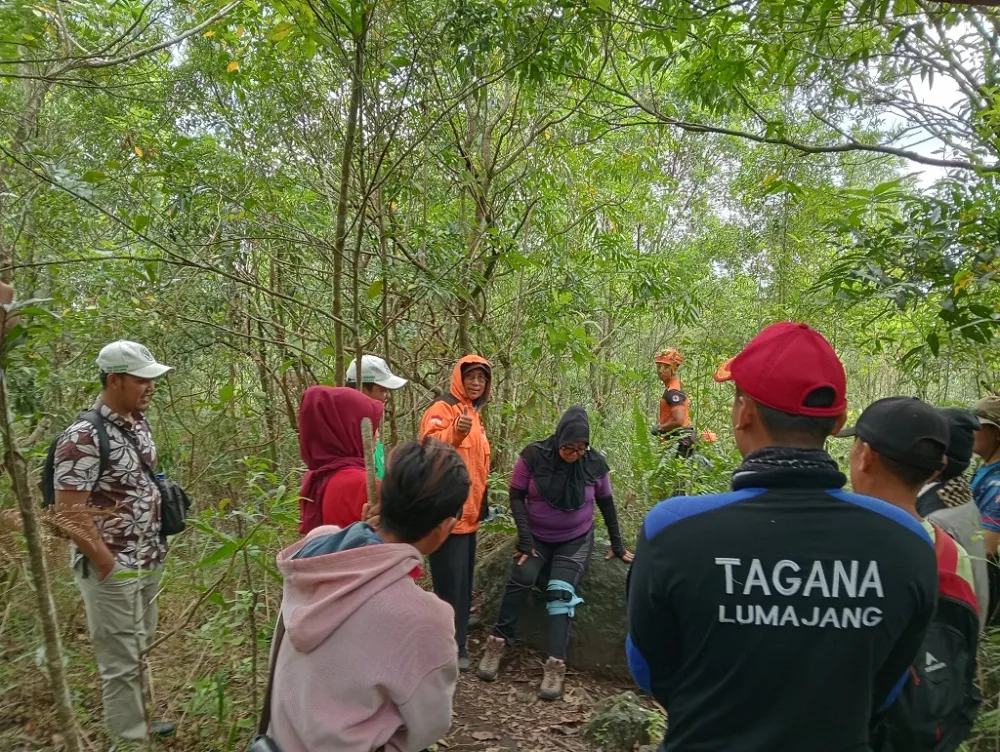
679,508
637,665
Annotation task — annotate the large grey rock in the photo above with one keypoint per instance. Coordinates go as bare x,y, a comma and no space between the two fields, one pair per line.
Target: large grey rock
621,723
598,641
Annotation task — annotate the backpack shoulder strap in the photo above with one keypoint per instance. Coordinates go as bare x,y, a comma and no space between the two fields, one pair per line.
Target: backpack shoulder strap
265,712
448,398
103,442
951,584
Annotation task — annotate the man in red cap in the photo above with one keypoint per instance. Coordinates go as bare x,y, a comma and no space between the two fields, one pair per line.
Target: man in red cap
785,614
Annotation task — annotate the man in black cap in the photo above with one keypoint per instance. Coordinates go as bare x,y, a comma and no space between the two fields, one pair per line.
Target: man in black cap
947,500
900,445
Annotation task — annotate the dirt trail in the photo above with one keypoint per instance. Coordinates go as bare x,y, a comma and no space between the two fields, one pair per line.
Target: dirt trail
507,716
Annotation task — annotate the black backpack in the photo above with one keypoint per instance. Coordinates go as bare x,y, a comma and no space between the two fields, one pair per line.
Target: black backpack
174,502
47,483
937,707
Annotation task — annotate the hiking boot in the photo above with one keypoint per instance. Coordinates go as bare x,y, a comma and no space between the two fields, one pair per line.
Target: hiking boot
463,662
552,681
489,666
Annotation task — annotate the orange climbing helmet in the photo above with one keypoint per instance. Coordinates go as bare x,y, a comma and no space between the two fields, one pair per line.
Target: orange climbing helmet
670,357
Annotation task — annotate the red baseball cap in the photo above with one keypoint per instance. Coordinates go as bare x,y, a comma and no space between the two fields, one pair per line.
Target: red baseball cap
785,363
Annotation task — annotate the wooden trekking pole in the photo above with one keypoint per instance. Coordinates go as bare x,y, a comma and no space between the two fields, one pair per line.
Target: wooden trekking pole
368,443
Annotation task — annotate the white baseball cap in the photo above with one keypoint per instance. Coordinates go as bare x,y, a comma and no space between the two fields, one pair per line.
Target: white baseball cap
374,371
131,358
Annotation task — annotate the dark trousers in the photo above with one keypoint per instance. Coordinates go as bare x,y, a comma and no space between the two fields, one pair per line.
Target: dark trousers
566,561
686,438
452,566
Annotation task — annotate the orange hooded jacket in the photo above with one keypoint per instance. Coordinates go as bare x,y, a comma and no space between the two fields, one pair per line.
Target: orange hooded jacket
439,422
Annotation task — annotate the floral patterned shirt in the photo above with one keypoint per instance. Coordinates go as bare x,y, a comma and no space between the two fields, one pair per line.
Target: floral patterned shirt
128,499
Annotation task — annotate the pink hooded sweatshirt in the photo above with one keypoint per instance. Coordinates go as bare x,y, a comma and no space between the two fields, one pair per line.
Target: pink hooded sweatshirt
368,658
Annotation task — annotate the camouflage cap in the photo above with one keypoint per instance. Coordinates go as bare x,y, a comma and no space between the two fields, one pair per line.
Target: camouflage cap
988,410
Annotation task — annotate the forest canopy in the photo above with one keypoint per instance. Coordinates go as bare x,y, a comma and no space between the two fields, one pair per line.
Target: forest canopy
259,191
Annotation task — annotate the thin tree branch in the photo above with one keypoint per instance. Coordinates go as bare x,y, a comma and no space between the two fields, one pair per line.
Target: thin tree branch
851,146
107,63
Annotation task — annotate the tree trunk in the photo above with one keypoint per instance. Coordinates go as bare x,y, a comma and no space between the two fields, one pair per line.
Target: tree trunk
27,126
345,180
264,374
464,342
356,278
36,558
383,248
278,322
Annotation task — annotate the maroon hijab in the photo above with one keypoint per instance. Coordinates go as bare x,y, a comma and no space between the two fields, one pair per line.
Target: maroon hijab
330,439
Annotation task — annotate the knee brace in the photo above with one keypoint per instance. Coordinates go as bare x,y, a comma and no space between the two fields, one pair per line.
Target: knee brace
561,598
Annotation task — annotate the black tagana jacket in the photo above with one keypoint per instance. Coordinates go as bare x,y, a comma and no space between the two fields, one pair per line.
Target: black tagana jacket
782,616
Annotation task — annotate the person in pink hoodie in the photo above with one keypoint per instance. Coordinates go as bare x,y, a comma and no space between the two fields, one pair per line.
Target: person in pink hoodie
368,659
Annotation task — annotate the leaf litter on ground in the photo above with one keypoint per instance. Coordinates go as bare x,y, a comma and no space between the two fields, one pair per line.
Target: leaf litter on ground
508,715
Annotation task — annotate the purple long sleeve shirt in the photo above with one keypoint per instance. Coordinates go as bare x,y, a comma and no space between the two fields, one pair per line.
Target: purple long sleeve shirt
555,525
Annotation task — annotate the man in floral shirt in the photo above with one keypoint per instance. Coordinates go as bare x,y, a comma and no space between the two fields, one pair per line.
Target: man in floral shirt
117,550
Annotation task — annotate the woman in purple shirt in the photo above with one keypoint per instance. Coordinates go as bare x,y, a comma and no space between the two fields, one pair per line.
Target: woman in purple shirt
555,486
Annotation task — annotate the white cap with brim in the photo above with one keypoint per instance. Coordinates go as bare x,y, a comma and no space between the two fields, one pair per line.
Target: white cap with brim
131,358
374,370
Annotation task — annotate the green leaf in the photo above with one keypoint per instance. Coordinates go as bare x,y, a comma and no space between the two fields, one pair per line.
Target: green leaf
226,393
374,289
281,31
209,530
223,552
912,353
141,222
32,311
93,176
934,343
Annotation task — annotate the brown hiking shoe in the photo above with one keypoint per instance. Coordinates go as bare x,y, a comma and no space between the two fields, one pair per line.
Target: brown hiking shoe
489,666
552,681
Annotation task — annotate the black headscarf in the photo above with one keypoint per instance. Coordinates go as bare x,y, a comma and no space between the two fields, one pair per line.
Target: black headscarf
564,484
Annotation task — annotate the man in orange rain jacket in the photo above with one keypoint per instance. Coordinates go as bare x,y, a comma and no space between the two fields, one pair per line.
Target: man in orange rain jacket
454,418
675,405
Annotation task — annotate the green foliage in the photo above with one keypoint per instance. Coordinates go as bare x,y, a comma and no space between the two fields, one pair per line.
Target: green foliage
937,252
645,460
564,188
661,473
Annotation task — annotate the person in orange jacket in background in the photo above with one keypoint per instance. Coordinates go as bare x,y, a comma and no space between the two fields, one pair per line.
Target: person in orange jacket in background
675,405
454,418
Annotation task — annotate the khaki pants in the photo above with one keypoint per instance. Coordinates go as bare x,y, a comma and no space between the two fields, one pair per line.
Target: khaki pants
121,614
